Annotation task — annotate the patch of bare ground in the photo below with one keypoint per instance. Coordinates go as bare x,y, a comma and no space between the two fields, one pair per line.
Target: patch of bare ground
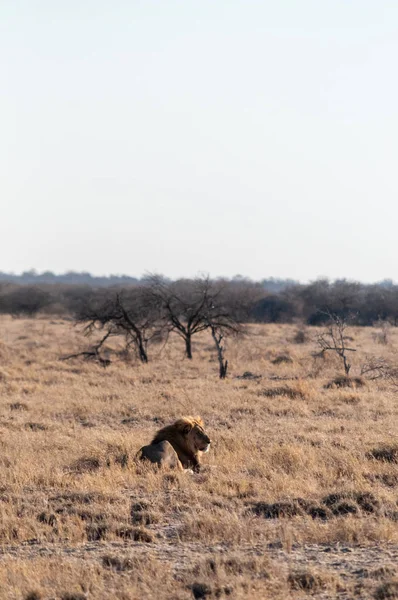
298,496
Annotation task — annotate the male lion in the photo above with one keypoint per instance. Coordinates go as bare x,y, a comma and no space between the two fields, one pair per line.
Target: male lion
178,445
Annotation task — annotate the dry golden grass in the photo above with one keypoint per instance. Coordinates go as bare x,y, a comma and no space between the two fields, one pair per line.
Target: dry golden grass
297,496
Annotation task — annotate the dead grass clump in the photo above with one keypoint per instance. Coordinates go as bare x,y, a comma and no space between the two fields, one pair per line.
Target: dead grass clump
97,531
117,455
70,498
387,591
345,508
343,381
387,454
383,571
140,515
300,337
345,503
278,510
33,595
138,534
220,571
145,518
200,590
18,406
35,427
282,359
367,502
86,464
133,421
214,527
117,563
389,479
89,516
310,582
350,399
248,375
333,505
47,518
139,506
283,390
288,458
240,566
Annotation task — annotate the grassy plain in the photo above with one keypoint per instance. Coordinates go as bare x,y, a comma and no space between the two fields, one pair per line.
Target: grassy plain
297,496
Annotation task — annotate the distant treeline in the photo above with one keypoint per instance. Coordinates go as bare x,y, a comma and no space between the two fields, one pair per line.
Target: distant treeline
73,278
69,278
290,302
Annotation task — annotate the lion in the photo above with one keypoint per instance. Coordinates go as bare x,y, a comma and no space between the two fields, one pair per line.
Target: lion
179,445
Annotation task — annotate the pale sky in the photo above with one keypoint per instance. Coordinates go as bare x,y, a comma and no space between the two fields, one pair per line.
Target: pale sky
218,136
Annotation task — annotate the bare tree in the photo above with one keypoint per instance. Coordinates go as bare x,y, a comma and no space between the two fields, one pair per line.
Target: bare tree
132,314
223,363
94,352
226,312
184,306
192,306
335,339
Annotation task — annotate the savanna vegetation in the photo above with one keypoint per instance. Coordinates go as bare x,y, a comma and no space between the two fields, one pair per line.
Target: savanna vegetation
267,301
297,496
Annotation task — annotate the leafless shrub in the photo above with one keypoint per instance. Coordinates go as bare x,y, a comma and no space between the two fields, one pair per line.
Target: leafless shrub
379,368
334,339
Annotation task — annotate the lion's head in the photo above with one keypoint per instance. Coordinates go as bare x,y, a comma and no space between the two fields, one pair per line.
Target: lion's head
188,438
196,437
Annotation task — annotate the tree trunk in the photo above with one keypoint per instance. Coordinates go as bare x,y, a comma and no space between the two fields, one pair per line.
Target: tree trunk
347,366
142,353
188,346
223,364
223,369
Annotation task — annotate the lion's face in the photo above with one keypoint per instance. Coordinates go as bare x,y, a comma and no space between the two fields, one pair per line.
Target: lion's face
197,438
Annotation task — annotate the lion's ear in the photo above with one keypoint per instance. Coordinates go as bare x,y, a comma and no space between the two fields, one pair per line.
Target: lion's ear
186,429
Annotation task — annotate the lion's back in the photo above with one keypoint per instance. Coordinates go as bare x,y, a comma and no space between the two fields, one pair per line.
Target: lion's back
161,453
